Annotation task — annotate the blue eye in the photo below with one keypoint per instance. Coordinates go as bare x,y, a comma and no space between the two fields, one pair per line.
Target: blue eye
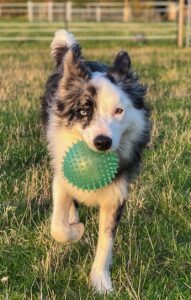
118,111
83,112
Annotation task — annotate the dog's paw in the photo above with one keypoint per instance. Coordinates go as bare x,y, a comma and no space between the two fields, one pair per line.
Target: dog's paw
77,231
101,281
69,234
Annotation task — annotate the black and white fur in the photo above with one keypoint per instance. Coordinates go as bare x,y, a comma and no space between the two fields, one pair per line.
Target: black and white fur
104,106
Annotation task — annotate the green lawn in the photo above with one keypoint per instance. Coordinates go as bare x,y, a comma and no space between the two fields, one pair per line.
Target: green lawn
147,32
152,251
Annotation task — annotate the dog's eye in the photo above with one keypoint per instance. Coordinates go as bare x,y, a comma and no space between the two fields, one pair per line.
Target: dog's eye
118,111
83,112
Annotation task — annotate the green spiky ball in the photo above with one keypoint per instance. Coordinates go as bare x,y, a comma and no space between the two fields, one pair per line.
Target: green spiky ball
87,169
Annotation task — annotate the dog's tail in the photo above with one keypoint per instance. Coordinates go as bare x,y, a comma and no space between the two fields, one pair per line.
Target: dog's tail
62,42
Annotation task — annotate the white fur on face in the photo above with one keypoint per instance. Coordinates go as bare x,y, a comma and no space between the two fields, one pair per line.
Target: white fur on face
126,127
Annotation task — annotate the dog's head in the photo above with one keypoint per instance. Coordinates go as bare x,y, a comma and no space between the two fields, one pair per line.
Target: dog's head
107,109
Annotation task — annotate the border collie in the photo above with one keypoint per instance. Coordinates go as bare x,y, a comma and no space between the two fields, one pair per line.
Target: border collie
104,106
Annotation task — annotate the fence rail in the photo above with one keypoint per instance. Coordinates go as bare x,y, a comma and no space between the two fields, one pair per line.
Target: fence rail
36,21
103,11
44,31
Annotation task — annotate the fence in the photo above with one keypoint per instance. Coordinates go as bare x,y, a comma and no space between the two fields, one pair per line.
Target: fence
147,20
188,36
103,11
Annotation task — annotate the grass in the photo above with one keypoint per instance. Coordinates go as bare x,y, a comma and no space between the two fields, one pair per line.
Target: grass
152,251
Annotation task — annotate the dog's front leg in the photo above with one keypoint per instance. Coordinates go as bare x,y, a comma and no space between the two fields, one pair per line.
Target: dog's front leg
108,222
61,230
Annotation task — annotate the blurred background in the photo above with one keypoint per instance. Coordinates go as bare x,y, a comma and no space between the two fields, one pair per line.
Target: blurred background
133,20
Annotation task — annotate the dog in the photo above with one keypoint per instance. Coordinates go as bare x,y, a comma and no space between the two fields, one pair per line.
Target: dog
103,106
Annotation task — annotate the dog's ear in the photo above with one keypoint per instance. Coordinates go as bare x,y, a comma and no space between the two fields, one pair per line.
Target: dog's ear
62,42
122,62
75,73
74,67
120,73
121,68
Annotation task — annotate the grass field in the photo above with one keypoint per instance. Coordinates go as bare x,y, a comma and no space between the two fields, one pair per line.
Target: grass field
152,251
166,31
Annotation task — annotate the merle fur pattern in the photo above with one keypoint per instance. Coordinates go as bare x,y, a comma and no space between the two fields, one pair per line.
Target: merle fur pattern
79,94
117,217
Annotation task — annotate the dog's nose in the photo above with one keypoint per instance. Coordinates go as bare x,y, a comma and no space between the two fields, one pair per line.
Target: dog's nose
102,142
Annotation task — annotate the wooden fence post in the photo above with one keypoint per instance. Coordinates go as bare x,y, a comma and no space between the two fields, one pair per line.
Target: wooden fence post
181,23
30,11
172,10
126,11
98,13
188,30
68,11
50,11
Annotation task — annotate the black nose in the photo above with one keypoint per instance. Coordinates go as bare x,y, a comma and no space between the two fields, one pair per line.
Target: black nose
102,142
